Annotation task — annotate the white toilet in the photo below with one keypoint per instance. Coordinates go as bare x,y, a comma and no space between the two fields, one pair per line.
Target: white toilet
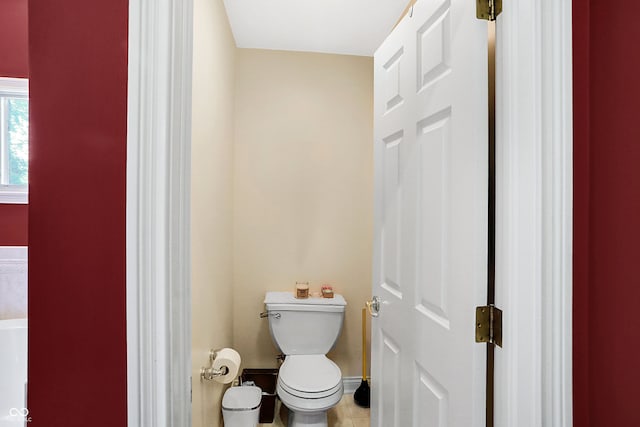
241,406
305,330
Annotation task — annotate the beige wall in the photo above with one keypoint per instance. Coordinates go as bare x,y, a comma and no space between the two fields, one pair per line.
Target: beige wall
211,199
303,187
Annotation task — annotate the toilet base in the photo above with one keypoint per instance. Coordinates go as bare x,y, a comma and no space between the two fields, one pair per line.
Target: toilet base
307,419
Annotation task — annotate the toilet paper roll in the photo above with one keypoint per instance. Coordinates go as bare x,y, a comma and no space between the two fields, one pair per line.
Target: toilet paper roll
230,359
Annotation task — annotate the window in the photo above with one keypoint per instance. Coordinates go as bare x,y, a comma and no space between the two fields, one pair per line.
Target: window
14,140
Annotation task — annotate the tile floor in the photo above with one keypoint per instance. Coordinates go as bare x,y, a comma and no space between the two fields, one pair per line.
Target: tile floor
345,414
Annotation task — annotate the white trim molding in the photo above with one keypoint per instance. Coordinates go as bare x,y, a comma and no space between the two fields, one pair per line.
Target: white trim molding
351,384
534,214
158,213
12,194
14,86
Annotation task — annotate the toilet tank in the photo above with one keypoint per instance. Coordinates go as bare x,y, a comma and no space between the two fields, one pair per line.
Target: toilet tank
304,326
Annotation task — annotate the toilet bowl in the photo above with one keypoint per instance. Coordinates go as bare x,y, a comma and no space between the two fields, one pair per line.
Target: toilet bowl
309,385
241,406
305,330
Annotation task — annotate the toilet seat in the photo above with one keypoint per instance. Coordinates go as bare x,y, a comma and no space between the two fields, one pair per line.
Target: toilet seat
309,383
310,395
305,404
312,376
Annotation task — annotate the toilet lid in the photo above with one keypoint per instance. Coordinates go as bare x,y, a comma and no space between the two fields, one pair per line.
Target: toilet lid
242,398
310,373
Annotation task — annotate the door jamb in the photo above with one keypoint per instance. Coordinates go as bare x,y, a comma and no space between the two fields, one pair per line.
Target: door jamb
158,213
534,167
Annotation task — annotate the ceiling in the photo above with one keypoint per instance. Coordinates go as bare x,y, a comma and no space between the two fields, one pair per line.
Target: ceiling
349,27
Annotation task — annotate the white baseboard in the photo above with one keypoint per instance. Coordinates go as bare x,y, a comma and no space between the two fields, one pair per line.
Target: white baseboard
351,384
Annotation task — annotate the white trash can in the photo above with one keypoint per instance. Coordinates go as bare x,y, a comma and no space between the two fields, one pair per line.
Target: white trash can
241,406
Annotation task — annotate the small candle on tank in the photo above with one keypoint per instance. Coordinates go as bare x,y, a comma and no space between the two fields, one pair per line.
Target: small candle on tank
302,290
327,291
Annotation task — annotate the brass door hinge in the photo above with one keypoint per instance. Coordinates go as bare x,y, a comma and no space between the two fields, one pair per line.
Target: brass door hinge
488,9
489,325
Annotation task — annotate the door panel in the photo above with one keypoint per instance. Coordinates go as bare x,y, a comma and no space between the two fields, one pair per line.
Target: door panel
430,400
430,242
390,393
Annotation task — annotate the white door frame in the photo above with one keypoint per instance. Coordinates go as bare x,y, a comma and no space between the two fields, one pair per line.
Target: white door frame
158,213
534,166
534,213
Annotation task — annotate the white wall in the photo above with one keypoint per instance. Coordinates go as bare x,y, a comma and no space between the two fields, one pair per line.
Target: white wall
211,210
13,282
303,189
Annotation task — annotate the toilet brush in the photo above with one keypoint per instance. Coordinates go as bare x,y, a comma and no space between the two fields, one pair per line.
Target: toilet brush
362,395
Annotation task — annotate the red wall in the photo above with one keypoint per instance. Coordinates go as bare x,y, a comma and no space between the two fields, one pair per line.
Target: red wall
14,54
13,225
77,213
77,332
581,158
14,48
607,213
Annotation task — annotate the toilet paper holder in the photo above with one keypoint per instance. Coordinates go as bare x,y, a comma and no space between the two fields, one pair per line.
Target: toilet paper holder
211,373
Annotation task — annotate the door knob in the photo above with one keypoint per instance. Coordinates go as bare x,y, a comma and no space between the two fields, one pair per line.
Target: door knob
374,306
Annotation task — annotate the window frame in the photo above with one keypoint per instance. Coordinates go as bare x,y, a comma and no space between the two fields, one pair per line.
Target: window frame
11,87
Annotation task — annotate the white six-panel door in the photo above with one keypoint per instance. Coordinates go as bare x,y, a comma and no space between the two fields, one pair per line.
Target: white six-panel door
430,244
